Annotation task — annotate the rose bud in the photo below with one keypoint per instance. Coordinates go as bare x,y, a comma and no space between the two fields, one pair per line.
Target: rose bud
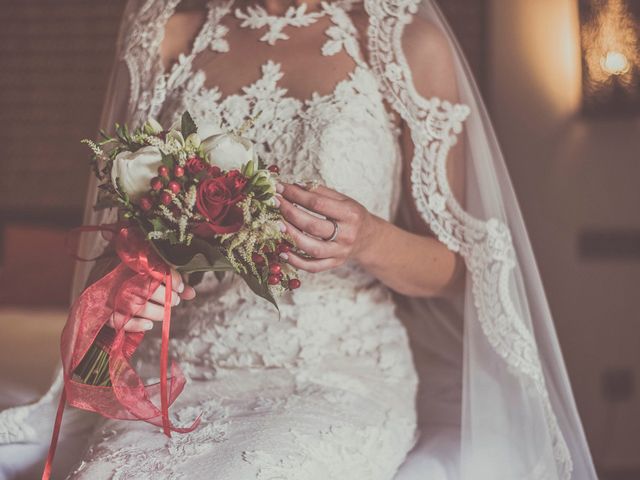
273,169
146,203
156,184
283,248
163,171
174,187
194,165
165,198
275,268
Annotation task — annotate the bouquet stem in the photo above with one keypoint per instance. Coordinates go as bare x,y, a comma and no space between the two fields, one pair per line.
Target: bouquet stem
93,369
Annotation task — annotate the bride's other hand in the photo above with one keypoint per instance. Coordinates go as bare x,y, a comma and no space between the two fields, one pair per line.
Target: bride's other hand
153,310
311,233
407,262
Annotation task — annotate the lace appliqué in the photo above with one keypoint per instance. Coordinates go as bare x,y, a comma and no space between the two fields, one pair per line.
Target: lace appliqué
486,246
342,35
160,457
257,17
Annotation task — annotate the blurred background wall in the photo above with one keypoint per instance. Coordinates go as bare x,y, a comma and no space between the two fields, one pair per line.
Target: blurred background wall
576,177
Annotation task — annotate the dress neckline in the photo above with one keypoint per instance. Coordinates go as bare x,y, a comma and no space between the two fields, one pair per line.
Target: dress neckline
256,17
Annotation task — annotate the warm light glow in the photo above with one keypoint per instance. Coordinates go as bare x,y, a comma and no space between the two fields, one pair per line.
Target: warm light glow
615,63
611,46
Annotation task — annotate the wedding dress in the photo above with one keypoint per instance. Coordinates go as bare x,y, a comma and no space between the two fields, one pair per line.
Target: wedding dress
327,389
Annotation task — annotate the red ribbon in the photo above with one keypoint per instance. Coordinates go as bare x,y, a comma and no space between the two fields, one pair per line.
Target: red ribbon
125,290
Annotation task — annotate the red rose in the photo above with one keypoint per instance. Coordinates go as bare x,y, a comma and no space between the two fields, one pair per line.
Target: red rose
217,200
214,171
195,165
239,180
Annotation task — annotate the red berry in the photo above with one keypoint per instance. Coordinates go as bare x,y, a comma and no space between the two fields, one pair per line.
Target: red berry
273,169
283,248
174,187
274,279
165,198
257,259
156,183
275,268
146,204
163,171
294,283
178,171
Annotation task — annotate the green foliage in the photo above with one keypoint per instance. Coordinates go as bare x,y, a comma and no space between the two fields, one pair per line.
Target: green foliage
187,125
168,160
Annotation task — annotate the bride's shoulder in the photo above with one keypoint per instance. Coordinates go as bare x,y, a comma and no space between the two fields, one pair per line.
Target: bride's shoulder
430,56
180,32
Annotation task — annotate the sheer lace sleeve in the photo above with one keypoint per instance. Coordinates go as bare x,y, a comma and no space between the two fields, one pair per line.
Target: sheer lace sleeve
458,186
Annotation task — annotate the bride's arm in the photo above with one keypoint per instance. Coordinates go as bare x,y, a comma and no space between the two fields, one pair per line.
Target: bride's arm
409,260
409,263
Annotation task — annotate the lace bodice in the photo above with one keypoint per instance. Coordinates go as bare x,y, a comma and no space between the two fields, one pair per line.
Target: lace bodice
346,139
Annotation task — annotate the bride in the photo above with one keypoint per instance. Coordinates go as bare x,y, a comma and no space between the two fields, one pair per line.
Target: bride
420,345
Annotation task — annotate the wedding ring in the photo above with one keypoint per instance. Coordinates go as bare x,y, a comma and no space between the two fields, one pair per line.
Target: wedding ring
334,235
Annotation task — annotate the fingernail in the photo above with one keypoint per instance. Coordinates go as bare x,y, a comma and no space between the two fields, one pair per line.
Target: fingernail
282,227
284,256
181,287
147,325
279,188
276,201
176,301
301,184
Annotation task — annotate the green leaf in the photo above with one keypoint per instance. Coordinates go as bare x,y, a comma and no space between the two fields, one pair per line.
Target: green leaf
260,288
188,126
157,224
199,256
167,160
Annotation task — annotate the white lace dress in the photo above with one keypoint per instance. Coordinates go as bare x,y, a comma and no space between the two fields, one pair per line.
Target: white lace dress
327,389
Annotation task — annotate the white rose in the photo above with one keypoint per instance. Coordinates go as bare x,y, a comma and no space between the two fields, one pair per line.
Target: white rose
135,170
228,151
209,129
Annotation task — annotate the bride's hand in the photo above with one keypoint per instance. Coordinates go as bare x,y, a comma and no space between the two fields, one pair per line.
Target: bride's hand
355,226
153,310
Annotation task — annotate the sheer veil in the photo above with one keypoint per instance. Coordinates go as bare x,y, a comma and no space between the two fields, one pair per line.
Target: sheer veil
495,399
493,379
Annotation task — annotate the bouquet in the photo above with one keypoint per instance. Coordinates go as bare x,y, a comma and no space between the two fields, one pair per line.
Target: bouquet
196,199
203,204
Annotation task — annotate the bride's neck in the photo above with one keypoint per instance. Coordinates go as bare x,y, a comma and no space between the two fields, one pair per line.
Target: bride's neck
279,7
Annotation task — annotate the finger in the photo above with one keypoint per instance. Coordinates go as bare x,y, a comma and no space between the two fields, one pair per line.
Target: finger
158,296
326,191
321,189
314,247
137,324
304,221
189,292
329,207
312,266
177,283
152,311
